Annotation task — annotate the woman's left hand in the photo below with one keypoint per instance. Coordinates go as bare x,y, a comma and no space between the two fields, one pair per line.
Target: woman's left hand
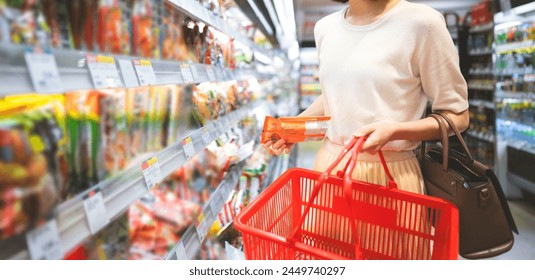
378,135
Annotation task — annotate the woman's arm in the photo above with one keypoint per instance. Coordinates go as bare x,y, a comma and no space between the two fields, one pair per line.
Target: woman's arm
425,129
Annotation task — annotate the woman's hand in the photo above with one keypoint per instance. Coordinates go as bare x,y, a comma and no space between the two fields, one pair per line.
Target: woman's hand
378,135
278,147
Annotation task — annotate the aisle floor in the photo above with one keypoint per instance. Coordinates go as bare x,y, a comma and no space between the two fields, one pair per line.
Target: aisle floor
523,212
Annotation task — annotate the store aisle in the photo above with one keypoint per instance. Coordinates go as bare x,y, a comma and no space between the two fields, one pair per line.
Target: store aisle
523,212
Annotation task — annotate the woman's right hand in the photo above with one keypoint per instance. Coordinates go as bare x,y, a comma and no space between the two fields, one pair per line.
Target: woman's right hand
278,147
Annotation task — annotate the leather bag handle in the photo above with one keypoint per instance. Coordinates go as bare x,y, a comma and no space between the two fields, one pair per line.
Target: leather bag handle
444,140
457,133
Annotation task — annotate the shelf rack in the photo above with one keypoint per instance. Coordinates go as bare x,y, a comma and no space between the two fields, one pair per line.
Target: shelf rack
120,191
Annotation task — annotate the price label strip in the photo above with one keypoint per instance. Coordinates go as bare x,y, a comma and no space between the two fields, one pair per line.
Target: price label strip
95,211
205,135
151,172
128,72
189,149
195,74
201,71
145,72
43,71
186,73
211,74
44,242
181,252
203,224
103,71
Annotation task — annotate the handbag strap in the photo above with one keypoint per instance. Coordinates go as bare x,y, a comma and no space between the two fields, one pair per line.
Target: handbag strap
457,133
444,140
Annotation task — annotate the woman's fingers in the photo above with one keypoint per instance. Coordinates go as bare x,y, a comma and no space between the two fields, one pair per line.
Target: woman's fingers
280,143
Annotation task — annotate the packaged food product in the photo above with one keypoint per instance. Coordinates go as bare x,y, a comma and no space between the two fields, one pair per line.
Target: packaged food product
109,27
32,161
146,21
294,129
113,132
17,21
137,119
84,137
173,39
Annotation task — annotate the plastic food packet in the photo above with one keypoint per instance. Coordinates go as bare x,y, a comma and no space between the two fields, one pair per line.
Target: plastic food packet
109,27
294,129
173,43
146,29
32,161
17,22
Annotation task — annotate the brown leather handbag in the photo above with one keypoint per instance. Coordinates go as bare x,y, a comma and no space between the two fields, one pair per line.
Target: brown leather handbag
485,220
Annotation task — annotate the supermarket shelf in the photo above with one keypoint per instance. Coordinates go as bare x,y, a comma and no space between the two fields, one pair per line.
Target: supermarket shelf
75,75
513,72
483,51
515,95
482,104
197,11
479,87
120,191
482,28
191,241
517,46
488,137
486,72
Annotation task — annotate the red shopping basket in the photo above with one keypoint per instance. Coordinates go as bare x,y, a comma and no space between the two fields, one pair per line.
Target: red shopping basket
310,215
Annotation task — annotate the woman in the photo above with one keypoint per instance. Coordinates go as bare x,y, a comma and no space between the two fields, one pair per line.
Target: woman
380,63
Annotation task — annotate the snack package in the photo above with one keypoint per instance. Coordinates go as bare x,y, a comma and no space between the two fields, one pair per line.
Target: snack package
17,22
146,23
171,124
113,132
83,134
137,119
294,129
173,40
32,161
159,98
109,27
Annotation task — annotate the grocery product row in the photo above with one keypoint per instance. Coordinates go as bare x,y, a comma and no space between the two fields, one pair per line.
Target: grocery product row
115,44
154,29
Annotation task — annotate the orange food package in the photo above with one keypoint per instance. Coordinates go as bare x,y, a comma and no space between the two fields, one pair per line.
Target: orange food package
294,129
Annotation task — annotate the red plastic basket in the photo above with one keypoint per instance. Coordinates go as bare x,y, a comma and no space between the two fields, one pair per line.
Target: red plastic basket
306,215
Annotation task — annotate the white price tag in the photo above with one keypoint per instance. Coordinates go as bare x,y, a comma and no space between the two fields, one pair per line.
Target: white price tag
151,172
181,252
95,211
189,149
128,72
203,224
203,75
211,74
205,135
44,242
145,73
195,74
43,72
103,71
186,73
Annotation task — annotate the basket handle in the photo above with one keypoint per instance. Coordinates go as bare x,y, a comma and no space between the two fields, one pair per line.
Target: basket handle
321,180
391,183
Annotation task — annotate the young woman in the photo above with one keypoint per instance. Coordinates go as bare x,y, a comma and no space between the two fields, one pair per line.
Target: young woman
381,61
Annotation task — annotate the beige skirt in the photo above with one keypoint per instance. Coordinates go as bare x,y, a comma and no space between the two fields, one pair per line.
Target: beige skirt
403,166
405,169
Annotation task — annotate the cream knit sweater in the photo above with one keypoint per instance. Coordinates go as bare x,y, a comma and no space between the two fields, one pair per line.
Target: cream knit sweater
386,71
